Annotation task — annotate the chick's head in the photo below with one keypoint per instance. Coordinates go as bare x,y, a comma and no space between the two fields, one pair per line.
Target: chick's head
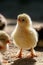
24,20
4,37
3,22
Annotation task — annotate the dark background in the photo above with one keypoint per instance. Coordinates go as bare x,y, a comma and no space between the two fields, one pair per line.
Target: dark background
11,8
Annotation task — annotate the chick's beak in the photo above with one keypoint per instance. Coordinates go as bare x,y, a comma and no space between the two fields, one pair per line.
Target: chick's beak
19,20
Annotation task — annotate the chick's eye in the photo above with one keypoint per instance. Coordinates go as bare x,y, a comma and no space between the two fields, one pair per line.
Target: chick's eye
23,20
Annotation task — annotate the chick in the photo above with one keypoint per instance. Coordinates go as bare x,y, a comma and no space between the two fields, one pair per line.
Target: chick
4,40
24,35
40,33
3,22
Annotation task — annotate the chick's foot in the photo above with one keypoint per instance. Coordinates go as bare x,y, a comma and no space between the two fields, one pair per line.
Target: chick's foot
32,54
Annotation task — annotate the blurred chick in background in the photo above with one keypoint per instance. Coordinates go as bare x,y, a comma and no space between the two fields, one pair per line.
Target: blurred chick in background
4,40
3,22
40,33
25,36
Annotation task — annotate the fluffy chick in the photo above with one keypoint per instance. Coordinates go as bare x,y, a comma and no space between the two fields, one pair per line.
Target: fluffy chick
4,40
3,22
24,35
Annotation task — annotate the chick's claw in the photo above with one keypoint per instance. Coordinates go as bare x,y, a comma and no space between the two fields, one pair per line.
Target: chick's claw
32,54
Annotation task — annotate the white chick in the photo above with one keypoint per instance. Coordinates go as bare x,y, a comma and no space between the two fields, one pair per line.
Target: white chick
3,22
4,40
24,35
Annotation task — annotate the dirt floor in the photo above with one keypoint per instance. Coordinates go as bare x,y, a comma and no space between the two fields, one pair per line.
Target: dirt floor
9,55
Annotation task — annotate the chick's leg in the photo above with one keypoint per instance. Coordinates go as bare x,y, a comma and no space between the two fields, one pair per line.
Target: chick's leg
32,54
19,54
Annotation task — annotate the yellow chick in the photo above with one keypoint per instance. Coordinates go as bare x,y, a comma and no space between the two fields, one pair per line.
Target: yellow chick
4,40
24,35
3,22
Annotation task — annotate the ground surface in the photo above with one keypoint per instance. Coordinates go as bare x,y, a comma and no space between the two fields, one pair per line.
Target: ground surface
9,55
